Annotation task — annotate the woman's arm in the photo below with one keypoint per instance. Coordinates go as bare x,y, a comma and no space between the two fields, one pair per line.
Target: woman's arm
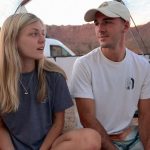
6,143
54,132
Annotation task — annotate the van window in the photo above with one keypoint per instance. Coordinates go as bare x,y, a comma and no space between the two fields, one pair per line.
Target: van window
56,50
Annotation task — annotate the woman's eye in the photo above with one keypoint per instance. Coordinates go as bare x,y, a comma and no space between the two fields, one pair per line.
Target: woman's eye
34,34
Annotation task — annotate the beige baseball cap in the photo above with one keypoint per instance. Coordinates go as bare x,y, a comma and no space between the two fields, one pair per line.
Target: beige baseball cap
111,9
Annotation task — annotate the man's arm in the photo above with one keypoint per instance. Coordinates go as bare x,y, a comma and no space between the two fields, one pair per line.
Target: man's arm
144,122
86,109
6,143
54,132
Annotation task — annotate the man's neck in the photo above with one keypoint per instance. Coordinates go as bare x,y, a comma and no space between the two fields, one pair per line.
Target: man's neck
115,55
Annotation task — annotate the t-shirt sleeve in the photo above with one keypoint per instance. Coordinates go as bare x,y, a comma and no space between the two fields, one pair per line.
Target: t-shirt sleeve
62,98
81,81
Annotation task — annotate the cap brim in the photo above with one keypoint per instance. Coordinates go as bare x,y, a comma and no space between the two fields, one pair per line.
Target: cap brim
90,14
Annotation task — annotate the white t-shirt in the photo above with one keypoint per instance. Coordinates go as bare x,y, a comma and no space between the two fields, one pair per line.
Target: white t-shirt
116,87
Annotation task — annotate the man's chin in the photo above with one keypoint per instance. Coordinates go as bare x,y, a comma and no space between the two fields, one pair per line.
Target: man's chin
104,45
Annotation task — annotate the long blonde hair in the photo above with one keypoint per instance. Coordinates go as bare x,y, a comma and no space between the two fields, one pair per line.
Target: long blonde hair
10,63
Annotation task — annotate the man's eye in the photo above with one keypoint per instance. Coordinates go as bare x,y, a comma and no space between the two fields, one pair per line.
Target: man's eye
96,23
108,21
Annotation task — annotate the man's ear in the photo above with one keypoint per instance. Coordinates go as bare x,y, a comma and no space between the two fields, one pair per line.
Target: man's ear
126,26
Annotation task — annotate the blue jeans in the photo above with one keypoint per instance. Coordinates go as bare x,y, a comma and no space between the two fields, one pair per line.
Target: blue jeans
131,142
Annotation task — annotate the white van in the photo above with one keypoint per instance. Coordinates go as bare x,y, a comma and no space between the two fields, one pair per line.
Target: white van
55,48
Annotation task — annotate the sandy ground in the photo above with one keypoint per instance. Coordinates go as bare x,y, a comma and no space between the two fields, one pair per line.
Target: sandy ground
70,119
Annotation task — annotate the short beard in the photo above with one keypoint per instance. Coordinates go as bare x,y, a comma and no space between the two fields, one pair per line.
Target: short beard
105,45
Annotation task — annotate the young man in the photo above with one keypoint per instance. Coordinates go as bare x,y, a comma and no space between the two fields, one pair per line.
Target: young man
111,82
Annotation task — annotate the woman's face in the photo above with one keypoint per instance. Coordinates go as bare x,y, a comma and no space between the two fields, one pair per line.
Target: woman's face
31,41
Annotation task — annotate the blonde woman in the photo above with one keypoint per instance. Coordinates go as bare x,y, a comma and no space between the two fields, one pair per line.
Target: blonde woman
34,93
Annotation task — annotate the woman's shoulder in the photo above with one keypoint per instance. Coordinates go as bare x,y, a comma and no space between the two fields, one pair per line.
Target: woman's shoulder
53,75
53,68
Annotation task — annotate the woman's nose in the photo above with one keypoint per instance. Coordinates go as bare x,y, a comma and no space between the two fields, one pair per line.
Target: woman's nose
42,38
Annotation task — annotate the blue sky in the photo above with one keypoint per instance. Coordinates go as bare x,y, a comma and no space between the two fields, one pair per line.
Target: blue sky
71,12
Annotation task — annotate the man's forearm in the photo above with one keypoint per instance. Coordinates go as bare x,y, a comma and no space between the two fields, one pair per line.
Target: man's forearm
106,142
144,121
144,132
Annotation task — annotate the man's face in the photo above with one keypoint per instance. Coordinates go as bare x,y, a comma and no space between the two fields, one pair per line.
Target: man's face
109,31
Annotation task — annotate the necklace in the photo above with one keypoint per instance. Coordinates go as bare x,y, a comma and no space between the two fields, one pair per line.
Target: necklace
26,88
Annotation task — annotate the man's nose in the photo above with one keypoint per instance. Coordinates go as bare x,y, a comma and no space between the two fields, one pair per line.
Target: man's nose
101,27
